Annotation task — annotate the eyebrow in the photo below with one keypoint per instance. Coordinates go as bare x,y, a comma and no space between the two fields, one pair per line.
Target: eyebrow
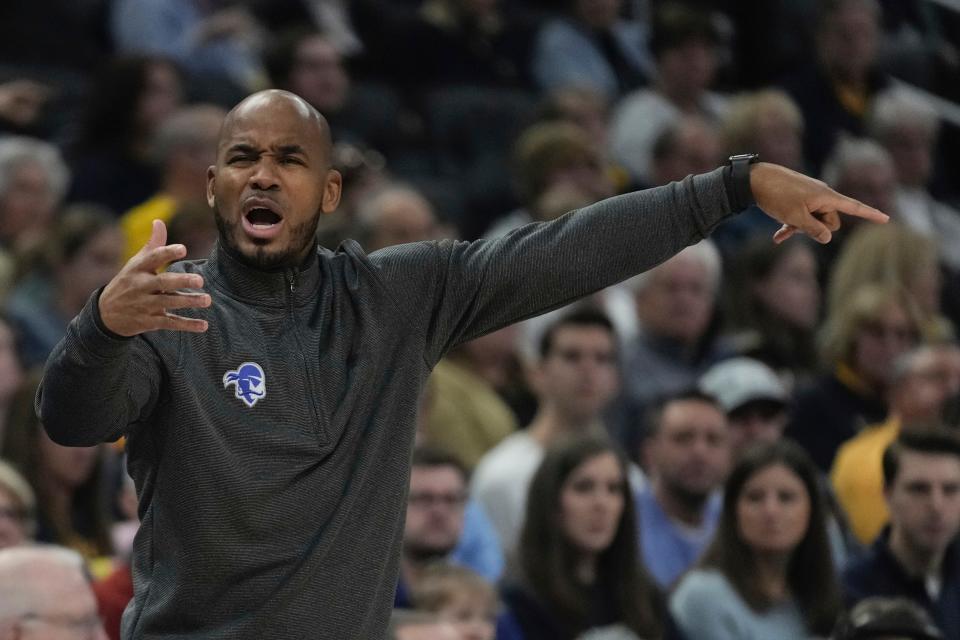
291,149
241,148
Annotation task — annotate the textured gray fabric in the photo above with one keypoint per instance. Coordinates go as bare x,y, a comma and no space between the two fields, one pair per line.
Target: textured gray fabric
284,519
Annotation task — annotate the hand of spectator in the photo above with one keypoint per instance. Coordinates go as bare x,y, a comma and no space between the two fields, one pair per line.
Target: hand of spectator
803,204
22,100
139,299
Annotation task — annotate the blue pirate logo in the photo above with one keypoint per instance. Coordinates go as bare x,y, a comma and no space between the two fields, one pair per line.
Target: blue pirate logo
250,383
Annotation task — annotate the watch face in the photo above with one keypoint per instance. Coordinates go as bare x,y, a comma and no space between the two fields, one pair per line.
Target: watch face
751,157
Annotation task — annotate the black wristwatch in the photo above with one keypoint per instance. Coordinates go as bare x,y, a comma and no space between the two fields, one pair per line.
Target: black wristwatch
737,178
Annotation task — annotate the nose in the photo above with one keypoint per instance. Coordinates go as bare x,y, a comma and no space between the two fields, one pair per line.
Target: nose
264,176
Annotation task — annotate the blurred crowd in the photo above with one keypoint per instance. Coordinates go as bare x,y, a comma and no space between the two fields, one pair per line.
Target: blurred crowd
750,440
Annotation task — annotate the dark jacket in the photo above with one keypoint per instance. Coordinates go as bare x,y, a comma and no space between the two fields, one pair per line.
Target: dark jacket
271,454
879,573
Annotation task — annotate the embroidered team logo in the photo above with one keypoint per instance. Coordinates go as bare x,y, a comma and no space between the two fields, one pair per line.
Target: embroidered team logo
249,382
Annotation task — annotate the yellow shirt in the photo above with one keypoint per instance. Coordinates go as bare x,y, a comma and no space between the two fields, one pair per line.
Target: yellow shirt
137,223
857,478
466,417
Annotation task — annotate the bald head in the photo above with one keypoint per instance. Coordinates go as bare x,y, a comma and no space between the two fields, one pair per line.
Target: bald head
276,103
45,585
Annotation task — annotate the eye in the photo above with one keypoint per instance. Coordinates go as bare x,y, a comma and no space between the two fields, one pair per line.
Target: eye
291,160
240,158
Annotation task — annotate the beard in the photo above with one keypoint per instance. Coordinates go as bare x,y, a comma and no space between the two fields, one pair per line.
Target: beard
302,237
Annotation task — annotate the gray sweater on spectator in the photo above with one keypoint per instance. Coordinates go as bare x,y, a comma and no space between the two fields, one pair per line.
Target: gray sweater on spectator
272,496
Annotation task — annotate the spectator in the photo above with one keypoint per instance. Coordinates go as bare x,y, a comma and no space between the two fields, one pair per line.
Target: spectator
773,307
33,181
435,520
550,155
125,106
754,399
578,568
466,414
308,63
687,456
836,92
44,593
768,572
461,597
82,254
183,148
685,45
908,127
917,556
674,305
591,46
72,508
897,257
859,342
17,508
575,380
924,380
684,147
394,214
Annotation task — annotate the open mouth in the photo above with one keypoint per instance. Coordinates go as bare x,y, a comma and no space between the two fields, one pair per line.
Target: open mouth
262,217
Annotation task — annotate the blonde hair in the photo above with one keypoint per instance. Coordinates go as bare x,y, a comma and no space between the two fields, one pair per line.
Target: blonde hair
892,256
838,335
739,126
442,581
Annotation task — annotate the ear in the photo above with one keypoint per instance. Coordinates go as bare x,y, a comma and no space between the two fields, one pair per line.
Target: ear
331,191
211,183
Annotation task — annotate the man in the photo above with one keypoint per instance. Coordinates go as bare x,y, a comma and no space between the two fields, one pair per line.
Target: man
917,557
674,304
923,380
435,516
44,594
752,396
574,381
395,214
687,457
269,424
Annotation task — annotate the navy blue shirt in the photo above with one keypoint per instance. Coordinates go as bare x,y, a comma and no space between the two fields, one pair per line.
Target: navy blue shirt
879,573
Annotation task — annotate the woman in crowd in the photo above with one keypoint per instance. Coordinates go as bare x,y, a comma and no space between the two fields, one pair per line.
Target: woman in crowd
768,572
774,307
893,255
859,342
578,566
72,504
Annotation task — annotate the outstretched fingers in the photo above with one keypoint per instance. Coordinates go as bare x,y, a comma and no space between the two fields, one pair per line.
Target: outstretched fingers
844,204
174,322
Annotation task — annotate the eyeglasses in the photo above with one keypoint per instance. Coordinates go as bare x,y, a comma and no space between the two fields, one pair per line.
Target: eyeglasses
448,500
86,627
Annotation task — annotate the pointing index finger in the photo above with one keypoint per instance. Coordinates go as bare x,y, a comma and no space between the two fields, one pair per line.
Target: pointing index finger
856,208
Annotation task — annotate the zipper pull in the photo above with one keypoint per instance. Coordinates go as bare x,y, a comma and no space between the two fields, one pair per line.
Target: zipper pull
292,279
